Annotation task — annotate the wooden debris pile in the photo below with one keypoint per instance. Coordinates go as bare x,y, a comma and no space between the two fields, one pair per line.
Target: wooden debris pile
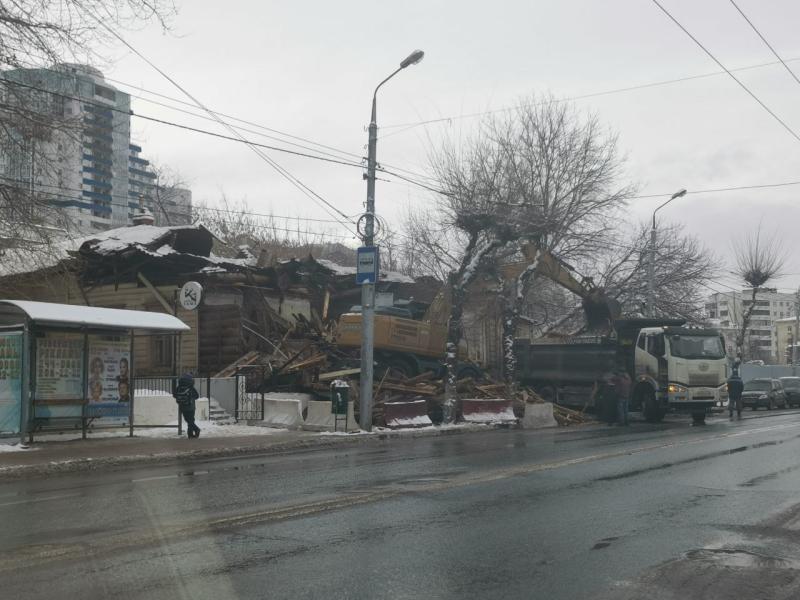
311,363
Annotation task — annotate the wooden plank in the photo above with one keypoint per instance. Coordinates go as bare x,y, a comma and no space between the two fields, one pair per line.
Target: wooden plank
309,362
424,376
335,374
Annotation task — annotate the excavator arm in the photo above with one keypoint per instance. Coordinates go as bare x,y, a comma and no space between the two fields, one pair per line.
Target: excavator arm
599,309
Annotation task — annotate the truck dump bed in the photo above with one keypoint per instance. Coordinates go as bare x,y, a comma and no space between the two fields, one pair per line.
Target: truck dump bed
580,363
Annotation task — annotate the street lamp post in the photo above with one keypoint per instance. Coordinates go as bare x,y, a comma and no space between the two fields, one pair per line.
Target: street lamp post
651,264
368,289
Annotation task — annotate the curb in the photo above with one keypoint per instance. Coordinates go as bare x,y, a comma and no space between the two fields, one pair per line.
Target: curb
66,466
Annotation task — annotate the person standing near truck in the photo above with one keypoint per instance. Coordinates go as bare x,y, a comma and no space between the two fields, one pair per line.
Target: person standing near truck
605,398
622,386
735,388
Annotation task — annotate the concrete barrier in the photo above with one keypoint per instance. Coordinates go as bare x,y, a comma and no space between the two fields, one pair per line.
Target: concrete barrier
285,413
413,413
320,417
161,409
538,416
496,411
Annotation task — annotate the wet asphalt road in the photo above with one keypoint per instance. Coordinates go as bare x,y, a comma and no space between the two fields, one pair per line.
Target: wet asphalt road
655,511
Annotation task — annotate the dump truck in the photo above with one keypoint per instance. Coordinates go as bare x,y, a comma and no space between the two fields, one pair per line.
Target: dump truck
673,367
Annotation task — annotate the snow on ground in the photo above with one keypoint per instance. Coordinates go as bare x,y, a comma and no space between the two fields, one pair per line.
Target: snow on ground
13,447
207,429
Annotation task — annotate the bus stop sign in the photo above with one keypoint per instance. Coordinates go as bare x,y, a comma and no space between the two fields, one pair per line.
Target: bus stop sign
368,265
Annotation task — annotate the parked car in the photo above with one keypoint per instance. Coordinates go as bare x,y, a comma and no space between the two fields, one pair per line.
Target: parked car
763,392
791,387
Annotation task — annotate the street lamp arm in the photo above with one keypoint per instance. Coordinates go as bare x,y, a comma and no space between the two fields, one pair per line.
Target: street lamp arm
675,195
374,116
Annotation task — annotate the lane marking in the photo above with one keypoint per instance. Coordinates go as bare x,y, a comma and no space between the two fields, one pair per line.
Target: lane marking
34,500
27,556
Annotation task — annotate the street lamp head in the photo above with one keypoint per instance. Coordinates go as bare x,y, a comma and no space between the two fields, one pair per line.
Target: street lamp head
679,194
412,59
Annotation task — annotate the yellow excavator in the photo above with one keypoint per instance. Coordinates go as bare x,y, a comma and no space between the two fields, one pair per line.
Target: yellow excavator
412,346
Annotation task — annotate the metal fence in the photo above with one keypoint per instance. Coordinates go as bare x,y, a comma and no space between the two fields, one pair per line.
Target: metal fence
241,396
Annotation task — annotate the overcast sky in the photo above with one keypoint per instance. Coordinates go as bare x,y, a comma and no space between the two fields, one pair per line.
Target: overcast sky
309,68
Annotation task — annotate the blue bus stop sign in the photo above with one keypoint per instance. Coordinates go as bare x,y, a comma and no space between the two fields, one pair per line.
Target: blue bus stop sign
368,265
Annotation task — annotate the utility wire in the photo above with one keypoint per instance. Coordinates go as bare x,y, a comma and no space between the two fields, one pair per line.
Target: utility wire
131,199
763,39
736,79
307,191
411,125
251,123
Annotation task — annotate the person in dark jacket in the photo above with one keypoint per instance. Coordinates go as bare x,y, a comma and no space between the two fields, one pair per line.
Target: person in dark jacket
735,388
605,398
185,395
622,386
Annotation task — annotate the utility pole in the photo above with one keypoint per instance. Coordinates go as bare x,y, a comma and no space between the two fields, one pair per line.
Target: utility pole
368,288
651,264
796,330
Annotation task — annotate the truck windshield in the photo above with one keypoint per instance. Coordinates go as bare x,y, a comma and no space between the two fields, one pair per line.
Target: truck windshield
757,386
696,346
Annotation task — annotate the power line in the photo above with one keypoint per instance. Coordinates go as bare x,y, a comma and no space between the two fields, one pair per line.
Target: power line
131,199
307,191
736,79
131,113
410,125
763,39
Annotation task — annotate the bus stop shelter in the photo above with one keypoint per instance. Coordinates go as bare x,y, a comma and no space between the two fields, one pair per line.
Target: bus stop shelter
64,366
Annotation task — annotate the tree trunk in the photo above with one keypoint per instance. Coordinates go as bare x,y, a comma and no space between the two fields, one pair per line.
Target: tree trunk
746,314
454,332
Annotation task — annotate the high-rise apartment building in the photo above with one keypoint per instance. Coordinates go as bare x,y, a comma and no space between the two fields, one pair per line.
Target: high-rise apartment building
82,159
770,306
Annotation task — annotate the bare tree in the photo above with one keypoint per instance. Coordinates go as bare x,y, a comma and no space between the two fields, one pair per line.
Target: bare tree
682,267
269,238
543,175
759,260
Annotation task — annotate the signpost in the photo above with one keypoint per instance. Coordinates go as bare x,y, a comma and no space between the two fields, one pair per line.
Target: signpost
368,263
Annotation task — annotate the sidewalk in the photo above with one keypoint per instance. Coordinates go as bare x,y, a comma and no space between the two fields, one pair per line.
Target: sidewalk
53,453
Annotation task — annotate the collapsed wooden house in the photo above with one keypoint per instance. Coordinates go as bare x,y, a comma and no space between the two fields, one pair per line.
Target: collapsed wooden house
246,305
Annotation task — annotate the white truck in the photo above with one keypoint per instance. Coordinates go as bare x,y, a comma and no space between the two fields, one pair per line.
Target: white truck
673,368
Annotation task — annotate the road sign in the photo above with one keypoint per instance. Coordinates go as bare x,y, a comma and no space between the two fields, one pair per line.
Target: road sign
368,265
190,295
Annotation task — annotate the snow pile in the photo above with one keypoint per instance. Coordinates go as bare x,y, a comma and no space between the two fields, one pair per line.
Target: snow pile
418,421
14,447
490,417
391,276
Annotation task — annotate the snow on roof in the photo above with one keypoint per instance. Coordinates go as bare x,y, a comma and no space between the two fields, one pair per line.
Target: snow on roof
18,261
116,240
390,276
47,313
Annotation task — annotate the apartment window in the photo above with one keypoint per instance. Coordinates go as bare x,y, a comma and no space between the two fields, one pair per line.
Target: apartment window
105,92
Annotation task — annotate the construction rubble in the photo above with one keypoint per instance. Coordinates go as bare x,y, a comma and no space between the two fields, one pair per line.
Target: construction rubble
310,362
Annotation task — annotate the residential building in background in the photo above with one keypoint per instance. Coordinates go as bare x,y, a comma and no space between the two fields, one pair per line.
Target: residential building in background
87,165
761,341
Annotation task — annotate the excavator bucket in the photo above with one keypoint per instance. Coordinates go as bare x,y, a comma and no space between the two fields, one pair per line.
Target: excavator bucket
600,310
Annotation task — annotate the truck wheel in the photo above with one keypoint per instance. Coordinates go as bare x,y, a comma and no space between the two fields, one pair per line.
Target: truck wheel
653,413
699,417
469,371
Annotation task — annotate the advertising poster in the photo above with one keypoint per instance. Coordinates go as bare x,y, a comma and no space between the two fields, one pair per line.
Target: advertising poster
109,377
10,382
59,367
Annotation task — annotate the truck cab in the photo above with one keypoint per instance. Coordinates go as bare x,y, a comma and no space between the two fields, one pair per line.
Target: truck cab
681,369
